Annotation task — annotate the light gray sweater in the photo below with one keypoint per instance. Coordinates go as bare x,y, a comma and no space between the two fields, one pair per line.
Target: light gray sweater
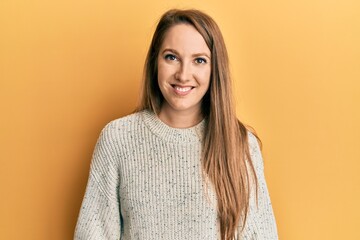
146,183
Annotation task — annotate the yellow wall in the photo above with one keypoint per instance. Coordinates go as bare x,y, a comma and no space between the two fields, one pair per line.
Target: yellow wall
69,67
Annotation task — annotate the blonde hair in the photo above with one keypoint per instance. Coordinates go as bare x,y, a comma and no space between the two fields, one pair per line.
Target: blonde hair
225,158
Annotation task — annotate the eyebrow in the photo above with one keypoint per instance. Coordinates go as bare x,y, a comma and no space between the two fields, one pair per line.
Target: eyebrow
177,53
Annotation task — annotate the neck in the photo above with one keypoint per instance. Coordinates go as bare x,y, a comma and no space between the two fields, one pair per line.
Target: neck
180,119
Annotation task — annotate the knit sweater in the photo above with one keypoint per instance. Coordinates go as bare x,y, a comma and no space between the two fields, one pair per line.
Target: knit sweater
146,183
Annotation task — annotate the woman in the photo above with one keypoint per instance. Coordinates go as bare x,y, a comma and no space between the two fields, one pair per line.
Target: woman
182,166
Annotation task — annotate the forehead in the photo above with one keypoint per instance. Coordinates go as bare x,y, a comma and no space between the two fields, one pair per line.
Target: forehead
184,38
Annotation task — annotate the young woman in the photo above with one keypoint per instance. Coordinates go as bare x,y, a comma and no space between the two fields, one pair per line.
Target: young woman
182,166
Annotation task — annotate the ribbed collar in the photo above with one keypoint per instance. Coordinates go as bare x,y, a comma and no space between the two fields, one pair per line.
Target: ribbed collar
176,135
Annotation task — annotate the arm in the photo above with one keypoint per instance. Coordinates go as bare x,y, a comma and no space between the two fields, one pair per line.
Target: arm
261,224
99,216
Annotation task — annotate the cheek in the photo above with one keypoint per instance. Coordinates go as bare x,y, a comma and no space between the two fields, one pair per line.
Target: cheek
163,72
205,77
160,75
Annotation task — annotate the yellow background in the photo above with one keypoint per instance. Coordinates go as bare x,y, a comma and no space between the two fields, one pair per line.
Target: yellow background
69,67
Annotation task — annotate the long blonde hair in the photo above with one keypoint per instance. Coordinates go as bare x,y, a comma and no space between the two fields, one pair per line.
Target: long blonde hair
225,157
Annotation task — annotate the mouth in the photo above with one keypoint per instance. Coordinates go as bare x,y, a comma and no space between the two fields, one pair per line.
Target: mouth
182,90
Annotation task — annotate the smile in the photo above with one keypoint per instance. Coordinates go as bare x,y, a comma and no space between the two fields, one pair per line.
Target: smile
182,90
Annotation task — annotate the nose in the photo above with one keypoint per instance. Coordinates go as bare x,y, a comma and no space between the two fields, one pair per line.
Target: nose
184,72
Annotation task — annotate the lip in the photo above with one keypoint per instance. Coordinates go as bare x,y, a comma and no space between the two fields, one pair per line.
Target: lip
182,90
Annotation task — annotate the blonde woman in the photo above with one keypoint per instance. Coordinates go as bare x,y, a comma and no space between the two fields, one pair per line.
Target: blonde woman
182,166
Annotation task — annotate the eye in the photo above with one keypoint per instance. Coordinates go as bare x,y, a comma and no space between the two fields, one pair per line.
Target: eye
200,60
170,57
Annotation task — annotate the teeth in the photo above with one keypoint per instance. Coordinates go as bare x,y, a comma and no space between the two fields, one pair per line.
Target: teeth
180,89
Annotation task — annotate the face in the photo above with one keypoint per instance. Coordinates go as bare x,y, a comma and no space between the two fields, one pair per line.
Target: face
184,69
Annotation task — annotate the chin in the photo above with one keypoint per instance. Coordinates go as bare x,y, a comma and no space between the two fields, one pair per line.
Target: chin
184,108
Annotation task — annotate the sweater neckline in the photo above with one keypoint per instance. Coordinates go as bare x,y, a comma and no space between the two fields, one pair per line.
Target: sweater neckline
170,134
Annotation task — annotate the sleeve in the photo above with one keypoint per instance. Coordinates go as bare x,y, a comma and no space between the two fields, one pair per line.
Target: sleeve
99,216
260,224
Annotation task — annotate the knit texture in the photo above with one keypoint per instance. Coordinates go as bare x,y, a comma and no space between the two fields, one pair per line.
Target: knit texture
146,183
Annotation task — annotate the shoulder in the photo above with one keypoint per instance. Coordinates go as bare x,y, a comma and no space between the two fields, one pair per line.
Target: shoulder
253,142
255,152
123,123
117,130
